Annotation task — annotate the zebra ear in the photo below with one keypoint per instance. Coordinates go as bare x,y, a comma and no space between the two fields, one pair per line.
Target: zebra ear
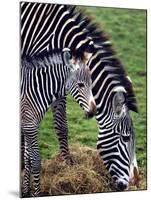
71,63
118,101
67,56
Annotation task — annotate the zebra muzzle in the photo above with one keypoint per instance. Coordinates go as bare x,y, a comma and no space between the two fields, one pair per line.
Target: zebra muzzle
92,110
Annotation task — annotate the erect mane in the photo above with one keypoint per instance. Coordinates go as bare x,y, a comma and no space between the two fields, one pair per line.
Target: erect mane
54,56
101,41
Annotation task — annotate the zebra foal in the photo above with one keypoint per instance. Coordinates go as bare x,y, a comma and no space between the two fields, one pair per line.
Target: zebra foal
78,86
45,80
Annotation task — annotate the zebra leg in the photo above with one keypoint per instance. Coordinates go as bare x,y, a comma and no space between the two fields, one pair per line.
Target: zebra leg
22,149
27,171
36,166
32,162
61,127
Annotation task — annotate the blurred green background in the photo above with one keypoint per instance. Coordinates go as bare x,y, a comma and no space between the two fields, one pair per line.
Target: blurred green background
127,31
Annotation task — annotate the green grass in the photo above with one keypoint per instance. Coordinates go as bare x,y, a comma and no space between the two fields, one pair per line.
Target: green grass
127,29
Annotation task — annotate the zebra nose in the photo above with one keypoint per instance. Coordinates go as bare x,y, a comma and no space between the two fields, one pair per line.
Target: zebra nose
92,107
92,110
121,186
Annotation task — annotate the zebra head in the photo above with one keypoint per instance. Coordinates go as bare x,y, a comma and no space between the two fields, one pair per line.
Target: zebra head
79,86
116,138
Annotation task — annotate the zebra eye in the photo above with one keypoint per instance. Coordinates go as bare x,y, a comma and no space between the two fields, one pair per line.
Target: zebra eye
126,138
81,85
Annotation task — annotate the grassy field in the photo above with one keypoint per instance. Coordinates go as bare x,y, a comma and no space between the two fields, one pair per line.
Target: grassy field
127,29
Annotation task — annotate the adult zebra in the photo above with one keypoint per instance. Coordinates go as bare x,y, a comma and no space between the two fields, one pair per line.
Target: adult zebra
59,26
44,80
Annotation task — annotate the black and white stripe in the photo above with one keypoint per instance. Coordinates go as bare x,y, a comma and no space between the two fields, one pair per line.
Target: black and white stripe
51,26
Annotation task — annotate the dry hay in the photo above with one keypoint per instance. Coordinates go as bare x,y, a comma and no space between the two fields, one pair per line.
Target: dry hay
86,175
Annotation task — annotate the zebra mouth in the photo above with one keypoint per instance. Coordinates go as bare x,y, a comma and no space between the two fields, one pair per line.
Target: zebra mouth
91,112
121,186
89,115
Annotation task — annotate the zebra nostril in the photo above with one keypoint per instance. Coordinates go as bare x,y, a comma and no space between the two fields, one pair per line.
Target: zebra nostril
121,186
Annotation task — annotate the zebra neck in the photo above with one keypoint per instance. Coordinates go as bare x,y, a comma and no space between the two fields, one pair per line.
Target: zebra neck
46,82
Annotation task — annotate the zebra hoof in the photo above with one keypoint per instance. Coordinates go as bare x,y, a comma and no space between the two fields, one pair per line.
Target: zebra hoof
41,194
26,195
36,195
70,161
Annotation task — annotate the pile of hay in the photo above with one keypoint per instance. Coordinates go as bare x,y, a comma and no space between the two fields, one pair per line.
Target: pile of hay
86,175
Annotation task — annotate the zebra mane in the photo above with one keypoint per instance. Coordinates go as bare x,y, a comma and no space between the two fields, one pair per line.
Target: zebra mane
100,41
45,58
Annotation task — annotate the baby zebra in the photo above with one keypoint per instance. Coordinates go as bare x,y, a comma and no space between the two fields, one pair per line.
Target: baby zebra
45,81
79,86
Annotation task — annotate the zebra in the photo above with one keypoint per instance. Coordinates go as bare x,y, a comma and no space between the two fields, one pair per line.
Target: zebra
45,80
61,26
36,34
116,142
78,85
